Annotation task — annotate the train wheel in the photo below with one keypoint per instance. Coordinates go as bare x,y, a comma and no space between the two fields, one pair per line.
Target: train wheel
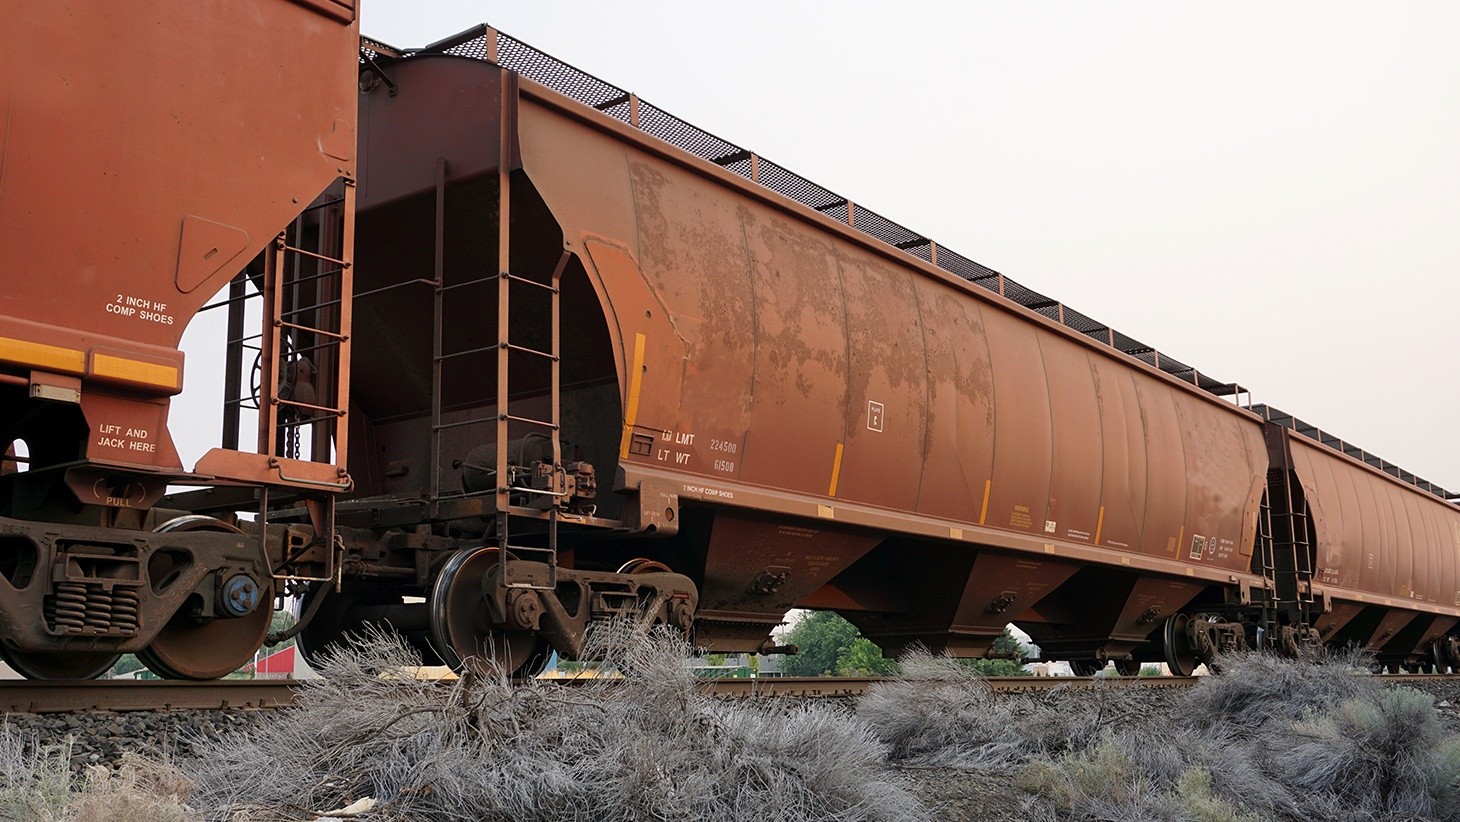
1441,658
1086,667
187,648
1180,655
58,665
1128,667
644,565
461,628
339,617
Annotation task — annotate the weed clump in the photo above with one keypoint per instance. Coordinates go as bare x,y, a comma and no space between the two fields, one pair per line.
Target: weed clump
1269,738
488,748
36,782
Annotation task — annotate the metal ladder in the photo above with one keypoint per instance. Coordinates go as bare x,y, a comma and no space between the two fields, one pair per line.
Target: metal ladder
1287,557
303,361
507,483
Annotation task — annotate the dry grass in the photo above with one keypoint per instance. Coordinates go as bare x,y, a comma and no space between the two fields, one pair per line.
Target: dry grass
941,713
495,750
1268,739
37,783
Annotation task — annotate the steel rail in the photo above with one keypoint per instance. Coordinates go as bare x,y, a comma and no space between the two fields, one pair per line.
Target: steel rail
71,696
856,686
121,695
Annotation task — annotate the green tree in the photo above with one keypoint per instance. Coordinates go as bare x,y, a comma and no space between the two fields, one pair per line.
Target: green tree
864,658
821,636
831,646
126,664
1006,658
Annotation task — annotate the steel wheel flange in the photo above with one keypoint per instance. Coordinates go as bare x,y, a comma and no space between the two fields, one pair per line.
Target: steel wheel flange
461,627
1180,655
186,648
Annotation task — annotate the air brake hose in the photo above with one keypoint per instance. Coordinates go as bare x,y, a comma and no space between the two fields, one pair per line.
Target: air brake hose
276,637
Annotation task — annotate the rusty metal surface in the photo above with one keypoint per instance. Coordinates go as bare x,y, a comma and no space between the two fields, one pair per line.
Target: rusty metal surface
20,696
1377,536
754,383
760,347
487,43
252,112
776,356
183,136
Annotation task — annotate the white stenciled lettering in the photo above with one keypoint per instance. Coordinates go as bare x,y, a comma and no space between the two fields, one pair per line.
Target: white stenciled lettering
111,435
128,305
709,492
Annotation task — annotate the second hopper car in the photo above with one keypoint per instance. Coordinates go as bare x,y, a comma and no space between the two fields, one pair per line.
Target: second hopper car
788,411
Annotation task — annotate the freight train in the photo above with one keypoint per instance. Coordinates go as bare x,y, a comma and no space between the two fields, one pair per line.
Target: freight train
524,352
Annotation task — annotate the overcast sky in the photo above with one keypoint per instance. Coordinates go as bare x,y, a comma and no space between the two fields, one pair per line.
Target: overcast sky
1269,192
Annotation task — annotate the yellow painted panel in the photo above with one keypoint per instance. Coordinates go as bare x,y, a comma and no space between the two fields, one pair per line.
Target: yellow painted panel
44,357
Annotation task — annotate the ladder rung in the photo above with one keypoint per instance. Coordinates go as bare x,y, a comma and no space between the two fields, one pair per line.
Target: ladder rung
537,491
460,423
477,281
544,286
306,329
417,281
445,357
306,421
528,420
545,355
230,301
325,204
511,346
337,261
328,272
321,408
328,344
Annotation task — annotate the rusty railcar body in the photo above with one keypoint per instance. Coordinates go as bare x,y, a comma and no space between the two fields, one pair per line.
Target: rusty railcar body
797,413
147,153
590,361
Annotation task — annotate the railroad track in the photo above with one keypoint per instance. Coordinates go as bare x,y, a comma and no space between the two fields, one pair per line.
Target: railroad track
21,696
38,697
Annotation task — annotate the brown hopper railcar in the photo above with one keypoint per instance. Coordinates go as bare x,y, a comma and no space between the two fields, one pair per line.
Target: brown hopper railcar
149,151
794,412
601,362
